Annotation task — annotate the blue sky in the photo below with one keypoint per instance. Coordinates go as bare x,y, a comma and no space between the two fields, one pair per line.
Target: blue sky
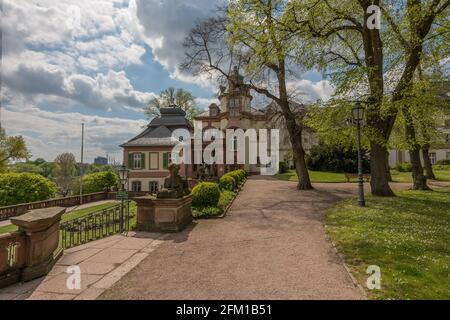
99,62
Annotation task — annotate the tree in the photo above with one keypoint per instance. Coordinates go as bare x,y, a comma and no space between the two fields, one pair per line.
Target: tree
252,36
11,148
18,188
98,182
362,58
64,172
169,97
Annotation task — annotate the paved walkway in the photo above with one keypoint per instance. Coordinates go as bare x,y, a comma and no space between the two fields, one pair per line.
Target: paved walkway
102,263
271,245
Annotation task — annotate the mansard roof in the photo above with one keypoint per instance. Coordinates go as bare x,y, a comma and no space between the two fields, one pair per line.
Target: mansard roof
159,130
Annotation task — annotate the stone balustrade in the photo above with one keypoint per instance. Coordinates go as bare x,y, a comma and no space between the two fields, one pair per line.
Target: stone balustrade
31,251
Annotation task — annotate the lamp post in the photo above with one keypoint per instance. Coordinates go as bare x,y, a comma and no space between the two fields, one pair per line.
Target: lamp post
358,117
123,176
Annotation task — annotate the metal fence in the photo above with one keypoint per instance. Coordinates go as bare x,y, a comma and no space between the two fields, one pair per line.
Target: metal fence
96,225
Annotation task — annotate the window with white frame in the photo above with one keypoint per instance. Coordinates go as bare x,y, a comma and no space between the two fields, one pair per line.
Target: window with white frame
137,160
433,157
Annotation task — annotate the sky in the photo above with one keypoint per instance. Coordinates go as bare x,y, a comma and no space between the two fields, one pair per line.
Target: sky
98,62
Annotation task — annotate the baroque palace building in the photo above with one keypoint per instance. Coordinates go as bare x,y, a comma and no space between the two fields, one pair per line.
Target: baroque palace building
148,155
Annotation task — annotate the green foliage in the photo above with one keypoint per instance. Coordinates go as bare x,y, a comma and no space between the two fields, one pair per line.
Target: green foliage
444,162
205,194
283,167
98,181
403,167
227,182
205,212
225,199
18,188
334,158
11,148
238,175
180,97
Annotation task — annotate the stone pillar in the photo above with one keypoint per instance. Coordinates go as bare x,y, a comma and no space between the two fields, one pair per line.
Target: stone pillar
41,228
163,215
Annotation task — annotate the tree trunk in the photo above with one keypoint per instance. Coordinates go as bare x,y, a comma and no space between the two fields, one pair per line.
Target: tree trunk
429,174
379,181
419,179
389,176
295,131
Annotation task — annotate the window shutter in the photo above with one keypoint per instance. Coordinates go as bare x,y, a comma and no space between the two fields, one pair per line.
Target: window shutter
142,160
165,160
130,161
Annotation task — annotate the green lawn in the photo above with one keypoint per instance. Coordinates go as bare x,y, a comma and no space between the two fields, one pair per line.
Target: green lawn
69,216
333,177
407,237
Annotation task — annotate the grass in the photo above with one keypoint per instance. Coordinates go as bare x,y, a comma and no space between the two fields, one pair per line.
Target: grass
407,237
68,216
442,174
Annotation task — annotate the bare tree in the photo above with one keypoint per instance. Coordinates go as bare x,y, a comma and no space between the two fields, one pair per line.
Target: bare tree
260,48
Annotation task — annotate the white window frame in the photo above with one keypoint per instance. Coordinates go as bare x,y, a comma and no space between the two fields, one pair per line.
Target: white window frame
154,183
137,182
137,161
433,158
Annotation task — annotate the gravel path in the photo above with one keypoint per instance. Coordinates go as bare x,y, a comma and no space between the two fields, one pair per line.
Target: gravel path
271,245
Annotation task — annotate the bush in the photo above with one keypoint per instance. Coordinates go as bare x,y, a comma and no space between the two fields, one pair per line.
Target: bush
403,167
227,183
238,175
441,167
225,199
333,158
18,188
96,182
205,194
283,167
443,162
206,212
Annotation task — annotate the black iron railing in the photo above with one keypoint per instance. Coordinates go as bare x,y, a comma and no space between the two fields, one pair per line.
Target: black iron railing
96,225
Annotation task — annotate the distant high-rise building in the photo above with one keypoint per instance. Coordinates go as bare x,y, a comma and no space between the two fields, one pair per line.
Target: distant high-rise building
101,161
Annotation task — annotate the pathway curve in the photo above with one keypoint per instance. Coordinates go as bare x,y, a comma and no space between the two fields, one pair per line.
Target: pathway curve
271,245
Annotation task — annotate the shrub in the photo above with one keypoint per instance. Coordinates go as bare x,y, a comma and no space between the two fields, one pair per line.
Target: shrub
206,212
227,183
225,199
443,162
238,175
441,167
283,167
403,167
205,194
18,188
96,182
334,158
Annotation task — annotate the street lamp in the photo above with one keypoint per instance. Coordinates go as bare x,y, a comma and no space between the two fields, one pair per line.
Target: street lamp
358,117
123,176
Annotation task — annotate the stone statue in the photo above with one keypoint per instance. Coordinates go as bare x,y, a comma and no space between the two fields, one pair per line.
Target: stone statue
174,186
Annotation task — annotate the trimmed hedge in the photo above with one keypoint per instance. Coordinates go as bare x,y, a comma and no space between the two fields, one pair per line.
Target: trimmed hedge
18,188
205,194
283,167
443,162
227,183
403,167
238,175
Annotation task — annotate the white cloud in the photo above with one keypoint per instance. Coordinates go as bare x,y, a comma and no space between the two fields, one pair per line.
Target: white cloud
165,24
308,91
48,133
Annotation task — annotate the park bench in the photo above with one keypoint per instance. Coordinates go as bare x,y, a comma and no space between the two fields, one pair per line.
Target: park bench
350,176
